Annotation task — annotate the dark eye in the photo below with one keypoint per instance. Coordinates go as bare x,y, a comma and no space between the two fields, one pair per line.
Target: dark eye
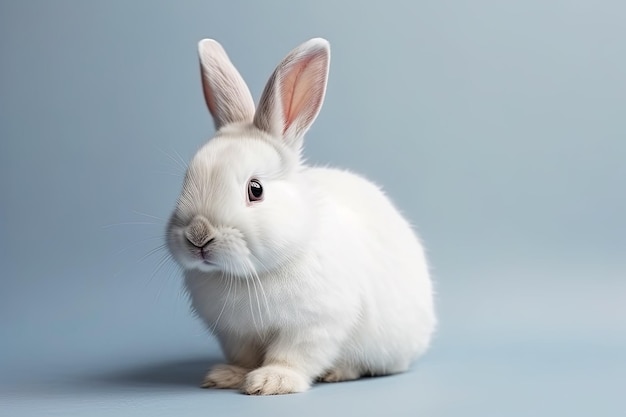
255,190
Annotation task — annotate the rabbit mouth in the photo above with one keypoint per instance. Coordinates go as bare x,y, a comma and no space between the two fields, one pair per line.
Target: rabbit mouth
205,255
206,258
206,266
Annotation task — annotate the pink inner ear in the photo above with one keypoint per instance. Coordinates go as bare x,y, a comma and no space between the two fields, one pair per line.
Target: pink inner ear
301,91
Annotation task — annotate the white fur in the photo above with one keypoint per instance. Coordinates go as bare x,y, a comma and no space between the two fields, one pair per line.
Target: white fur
323,279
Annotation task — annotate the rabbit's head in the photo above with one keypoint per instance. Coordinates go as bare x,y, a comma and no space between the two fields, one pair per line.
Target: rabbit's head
245,205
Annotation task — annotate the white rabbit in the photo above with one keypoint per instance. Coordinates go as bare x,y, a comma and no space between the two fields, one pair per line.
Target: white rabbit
302,273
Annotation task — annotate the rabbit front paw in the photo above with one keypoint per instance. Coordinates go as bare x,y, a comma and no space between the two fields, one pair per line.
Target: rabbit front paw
274,380
225,376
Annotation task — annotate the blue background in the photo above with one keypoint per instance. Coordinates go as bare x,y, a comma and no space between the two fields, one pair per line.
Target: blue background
498,127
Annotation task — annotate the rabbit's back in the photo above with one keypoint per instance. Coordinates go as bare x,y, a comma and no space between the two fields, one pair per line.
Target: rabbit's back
384,261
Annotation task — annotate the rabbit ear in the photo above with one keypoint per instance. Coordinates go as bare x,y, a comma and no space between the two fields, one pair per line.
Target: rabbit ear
226,93
294,93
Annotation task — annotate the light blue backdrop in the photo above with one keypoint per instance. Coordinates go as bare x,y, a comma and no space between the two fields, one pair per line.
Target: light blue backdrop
497,127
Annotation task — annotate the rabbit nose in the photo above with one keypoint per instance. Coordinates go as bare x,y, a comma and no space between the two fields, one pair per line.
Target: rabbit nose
199,232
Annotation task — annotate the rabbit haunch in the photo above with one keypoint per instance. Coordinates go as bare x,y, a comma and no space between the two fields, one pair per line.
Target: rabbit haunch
317,276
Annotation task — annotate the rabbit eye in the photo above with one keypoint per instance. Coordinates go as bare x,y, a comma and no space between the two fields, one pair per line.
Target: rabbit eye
255,190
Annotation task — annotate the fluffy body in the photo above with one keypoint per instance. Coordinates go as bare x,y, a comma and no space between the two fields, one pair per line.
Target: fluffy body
322,280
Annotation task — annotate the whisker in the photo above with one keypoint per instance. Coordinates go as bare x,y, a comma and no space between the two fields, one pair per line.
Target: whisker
256,294
153,251
230,284
108,226
181,159
174,268
256,258
145,256
178,164
250,305
173,174
148,215
121,251
256,276
162,262
165,263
